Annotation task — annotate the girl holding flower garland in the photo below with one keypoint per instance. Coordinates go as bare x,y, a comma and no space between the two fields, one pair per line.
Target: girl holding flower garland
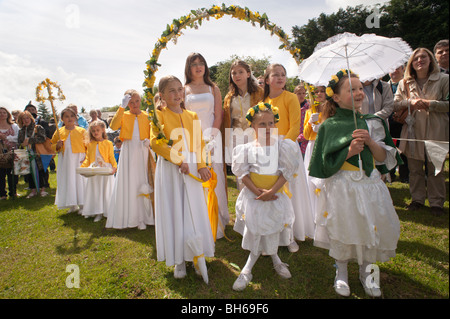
203,97
275,93
357,219
128,208
180,205
264,212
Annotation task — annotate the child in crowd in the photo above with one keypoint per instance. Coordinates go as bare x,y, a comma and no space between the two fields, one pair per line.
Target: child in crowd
203,97
243,93
99,188
357,219
180,206
117,147
288,126
300,91
313,119
131,187
264,212
68,142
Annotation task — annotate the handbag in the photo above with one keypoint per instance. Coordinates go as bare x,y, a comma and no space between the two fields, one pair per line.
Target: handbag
400,116
21,162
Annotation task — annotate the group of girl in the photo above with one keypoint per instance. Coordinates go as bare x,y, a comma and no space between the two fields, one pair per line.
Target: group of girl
275,206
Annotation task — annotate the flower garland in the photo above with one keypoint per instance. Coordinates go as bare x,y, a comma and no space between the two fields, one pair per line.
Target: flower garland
48,84
193,20
261,107
334,81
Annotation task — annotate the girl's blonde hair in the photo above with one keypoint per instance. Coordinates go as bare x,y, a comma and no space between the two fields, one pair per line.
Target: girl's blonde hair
162,87
411,73
132,92
89,136
267,73
329,107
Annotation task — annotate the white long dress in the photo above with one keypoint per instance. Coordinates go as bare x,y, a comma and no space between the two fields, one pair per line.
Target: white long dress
265,225
98,192
70,185
181,213
357,220
203,105
313,183
127,208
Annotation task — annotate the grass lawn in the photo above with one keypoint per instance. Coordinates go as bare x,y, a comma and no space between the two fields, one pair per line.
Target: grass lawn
38,242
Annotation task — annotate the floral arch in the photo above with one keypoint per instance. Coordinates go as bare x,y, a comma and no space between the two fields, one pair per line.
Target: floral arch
193,20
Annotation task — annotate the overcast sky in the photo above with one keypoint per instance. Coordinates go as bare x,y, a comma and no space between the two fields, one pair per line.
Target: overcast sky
96,50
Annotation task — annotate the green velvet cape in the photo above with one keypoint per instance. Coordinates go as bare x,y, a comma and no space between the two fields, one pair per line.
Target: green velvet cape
333,141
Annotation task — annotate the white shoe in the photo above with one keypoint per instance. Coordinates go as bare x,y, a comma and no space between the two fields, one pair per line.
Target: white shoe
293,247
282,270
180,271
242,281
98,218
372,292
341,287
73,209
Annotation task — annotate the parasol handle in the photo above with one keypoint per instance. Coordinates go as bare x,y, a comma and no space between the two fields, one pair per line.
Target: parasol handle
361,173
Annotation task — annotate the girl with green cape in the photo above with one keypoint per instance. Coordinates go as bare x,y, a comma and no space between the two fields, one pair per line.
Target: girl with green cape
355,216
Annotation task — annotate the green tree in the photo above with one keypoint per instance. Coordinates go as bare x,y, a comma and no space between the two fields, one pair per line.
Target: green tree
44,112
421,23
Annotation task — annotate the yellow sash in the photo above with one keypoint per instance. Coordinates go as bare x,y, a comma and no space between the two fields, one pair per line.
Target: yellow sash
267,181
350,167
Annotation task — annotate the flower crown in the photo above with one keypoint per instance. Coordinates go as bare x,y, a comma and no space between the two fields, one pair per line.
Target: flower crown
261,107
334,81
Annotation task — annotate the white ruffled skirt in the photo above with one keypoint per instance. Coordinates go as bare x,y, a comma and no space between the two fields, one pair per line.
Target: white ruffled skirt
264,225
356,220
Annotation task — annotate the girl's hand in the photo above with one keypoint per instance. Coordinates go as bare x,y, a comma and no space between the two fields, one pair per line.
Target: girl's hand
59,145
204,173
184,168
356,147
114,170
25,142
363,135
266,195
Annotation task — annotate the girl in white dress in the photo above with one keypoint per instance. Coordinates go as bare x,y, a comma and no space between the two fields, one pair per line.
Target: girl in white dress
99,188
275,93
356,218
181,213
311,125
68,142
130,202
203,97
264,212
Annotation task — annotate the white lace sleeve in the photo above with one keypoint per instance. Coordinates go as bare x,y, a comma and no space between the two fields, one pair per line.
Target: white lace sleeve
240,166
377,133
289,158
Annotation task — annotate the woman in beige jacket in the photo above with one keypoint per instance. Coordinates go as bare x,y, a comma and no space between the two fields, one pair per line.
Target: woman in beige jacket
425,90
